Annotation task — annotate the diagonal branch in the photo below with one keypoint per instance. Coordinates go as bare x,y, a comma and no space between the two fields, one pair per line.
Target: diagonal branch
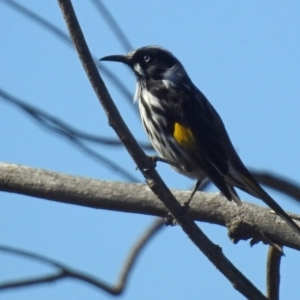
113,24
212,251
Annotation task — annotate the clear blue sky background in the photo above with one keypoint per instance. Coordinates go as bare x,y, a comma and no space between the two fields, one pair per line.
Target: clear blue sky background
243,55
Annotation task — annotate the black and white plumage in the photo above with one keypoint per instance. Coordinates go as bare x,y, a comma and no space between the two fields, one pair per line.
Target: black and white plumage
185,129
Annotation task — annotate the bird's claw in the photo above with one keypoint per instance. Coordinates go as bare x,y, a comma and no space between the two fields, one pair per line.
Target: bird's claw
152,164
169,220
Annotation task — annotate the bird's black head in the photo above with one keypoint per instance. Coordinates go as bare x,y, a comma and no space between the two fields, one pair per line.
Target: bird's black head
150,62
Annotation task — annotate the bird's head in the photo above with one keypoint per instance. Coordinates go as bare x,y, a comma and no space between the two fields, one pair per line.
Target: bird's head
151,62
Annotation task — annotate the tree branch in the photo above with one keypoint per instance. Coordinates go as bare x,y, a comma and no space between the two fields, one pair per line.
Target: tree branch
273,272
137,198
69,133
65,272
50,27
60,127
113,24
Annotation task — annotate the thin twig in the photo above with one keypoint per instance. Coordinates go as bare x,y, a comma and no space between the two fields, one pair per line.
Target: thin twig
278,183
212,251
157,225
273,272
61,127
65,272
57,32
71,134
113,24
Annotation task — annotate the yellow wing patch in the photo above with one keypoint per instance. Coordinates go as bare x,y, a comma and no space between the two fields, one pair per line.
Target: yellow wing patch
183,136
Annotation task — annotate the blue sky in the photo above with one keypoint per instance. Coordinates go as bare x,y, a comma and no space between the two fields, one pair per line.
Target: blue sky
243,55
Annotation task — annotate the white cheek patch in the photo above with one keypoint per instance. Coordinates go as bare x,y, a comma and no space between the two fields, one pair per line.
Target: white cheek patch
171,77
137,68
168,83
171,74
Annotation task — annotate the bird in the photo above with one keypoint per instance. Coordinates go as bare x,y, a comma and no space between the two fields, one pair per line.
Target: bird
186,130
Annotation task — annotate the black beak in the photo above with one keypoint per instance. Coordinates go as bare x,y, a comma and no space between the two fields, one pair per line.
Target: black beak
118,58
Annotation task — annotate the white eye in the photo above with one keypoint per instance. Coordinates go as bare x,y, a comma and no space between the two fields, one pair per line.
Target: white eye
147,58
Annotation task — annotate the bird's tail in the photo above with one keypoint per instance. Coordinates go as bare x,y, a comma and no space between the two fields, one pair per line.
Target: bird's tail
248,183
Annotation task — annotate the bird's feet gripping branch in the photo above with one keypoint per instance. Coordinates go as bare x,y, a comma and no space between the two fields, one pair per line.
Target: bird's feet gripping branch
185,205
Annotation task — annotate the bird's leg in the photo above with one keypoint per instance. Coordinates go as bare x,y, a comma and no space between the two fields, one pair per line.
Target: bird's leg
154,159
169,218
195,189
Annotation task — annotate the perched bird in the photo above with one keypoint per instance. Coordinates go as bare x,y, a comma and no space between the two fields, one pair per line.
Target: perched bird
185,129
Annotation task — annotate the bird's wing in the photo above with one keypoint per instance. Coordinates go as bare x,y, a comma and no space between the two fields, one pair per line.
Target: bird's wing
209,132
199,131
